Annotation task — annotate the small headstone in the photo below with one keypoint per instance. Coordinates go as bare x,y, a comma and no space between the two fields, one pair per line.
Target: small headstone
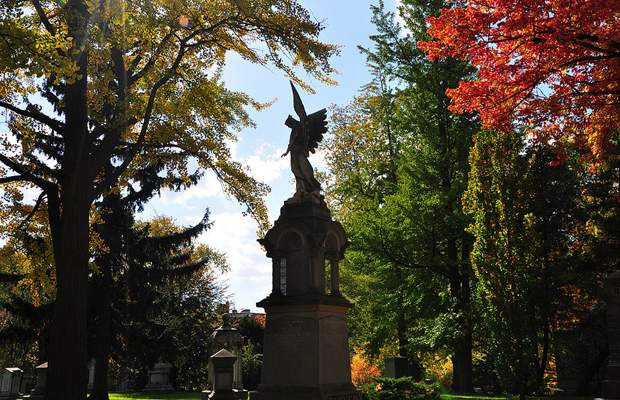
39,389
396,367
611,385
159,377
223,375
10,382
91,374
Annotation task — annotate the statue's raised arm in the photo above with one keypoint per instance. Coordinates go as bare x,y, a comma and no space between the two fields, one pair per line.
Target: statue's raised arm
305,137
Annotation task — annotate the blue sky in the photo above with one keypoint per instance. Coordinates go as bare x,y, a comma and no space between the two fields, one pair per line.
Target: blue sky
347,24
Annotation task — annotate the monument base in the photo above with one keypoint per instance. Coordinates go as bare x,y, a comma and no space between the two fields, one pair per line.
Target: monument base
321,392
306,349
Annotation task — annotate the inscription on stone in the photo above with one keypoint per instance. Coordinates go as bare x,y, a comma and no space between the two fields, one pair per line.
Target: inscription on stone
291,326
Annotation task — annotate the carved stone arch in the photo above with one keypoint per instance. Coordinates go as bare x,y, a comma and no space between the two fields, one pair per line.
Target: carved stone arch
332,244
290,240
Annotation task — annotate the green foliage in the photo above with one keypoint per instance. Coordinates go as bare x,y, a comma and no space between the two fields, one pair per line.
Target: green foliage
400,389
252,363
524,211
398,161
156,396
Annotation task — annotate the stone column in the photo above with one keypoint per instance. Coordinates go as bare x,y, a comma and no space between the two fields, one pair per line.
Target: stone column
611,385
276,275
335,275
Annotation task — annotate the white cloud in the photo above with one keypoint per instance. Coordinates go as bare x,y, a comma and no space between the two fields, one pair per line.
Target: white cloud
208,186
250,270
266,164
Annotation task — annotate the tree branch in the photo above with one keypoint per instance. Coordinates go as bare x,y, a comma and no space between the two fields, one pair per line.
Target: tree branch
132,151
34,210
44,20
30,113
26,176
15,178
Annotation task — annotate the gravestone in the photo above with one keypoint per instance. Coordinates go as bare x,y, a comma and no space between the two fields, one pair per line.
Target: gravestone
305,350
39,389
227,337
10,382
223,363
91,374
396,367
611,384
159,378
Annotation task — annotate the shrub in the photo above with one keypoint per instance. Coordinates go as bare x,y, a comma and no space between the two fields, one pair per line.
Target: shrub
362,370
400,389
251,364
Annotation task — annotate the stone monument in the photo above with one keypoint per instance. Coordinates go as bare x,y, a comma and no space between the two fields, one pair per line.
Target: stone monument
611,385
227,337
39,389
10,383
223,363
306,350
159,377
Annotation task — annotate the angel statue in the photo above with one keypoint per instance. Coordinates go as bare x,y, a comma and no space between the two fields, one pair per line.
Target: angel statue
305,137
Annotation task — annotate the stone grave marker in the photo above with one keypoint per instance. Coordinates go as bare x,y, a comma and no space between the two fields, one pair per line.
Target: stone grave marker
227,337
10,382
39,389
159,377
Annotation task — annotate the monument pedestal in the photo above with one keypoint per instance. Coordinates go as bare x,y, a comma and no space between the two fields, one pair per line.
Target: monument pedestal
306,348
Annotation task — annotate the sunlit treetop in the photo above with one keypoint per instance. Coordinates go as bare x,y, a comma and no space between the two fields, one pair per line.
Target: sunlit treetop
550,65
153,82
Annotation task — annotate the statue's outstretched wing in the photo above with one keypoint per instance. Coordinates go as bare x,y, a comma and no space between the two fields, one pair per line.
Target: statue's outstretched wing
297,104
316,125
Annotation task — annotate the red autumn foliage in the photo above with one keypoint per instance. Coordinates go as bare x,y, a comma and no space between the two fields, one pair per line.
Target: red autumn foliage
552,65
261,319
362,370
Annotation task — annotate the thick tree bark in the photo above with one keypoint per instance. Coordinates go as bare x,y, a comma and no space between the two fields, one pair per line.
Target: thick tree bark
462,374
67,375
102,335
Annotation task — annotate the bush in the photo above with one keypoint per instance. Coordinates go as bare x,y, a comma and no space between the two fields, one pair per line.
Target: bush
400,389
363,371
252,363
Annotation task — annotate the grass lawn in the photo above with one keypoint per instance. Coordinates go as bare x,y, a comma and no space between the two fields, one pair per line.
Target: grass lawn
448,396
193,396
155,396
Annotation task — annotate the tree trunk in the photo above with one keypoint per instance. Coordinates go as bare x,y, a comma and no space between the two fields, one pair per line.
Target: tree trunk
67,374
67,377
462,375
102,334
